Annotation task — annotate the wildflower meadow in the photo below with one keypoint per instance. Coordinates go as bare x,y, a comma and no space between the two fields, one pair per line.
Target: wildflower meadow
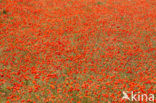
77,51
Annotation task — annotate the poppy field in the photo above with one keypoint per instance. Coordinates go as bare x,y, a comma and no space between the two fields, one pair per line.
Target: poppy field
77,51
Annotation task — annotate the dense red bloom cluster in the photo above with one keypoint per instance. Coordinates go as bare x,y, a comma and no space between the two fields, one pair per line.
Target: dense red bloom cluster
78,51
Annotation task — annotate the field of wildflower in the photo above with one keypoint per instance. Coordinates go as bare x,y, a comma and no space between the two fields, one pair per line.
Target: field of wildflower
77,51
